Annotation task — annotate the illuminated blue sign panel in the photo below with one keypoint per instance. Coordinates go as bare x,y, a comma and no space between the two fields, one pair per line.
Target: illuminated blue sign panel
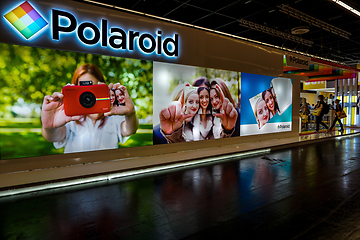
118,38
64,24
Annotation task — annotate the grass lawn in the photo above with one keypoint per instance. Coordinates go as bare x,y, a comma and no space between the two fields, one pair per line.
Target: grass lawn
23,143
20,123
137,140
31,144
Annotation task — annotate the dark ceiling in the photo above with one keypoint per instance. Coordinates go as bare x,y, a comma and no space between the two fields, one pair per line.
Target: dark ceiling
224,16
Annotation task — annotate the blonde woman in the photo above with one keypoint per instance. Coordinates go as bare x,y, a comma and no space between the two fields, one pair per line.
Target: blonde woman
261,112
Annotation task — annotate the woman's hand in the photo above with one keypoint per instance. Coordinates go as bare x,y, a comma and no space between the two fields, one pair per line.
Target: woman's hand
228,113
131,123
52,112
53,118
128,108
171,117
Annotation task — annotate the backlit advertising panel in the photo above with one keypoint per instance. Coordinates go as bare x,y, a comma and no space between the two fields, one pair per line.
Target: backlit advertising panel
266,104
63,102
193,103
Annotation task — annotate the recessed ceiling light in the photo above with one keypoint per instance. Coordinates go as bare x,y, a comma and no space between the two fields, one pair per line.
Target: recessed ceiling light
300,30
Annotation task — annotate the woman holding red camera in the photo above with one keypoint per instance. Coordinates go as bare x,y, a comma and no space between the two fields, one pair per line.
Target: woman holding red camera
88,132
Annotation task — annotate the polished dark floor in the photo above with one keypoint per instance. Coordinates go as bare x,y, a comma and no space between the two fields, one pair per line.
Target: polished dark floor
307,192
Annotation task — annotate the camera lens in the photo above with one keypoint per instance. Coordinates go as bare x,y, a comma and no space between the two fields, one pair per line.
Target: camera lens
87,99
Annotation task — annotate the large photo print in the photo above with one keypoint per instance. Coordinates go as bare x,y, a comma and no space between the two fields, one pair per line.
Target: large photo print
266,105
193,103
57,102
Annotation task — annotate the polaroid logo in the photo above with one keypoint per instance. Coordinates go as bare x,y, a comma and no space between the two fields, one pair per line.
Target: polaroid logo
26,20
299,60
117,39
283,126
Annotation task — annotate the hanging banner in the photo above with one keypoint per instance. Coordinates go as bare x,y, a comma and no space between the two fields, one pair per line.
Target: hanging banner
309,85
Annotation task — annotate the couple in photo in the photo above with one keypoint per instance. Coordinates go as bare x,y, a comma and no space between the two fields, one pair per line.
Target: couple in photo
117,97
265,107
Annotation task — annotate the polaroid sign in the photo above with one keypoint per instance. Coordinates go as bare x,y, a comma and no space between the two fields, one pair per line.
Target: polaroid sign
298,62
284,126
26,20
118,38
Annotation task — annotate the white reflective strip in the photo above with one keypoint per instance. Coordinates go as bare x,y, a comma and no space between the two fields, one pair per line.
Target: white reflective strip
129,173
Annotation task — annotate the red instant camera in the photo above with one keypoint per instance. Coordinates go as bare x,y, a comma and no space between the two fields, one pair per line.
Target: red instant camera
83,100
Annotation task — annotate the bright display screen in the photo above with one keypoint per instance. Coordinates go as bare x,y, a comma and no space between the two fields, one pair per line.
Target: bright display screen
56,102
193,103
107,104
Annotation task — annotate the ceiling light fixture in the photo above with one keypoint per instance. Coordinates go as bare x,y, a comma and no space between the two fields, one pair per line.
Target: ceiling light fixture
300,30
344,5
313,21
274,32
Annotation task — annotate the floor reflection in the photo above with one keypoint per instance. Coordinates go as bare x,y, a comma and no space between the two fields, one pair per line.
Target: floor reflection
249,195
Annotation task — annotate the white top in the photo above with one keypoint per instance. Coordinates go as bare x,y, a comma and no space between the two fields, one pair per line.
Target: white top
87,137
217,128
198,130
205,131
207,111
192,134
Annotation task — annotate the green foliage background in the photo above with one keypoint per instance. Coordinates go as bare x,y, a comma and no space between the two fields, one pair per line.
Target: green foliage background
231,78
30,73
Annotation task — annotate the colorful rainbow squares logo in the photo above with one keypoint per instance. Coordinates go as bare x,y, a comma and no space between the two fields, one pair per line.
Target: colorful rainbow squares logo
26,20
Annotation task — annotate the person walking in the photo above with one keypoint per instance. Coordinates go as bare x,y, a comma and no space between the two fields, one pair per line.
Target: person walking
324,108
306,113
338,111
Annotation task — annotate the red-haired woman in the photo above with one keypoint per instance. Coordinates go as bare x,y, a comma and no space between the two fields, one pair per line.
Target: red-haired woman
89,132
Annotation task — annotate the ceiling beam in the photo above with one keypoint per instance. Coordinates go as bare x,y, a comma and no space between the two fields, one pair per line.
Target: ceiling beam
273,32
313,21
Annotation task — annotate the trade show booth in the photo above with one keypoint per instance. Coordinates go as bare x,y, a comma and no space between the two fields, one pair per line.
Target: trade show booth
171,88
